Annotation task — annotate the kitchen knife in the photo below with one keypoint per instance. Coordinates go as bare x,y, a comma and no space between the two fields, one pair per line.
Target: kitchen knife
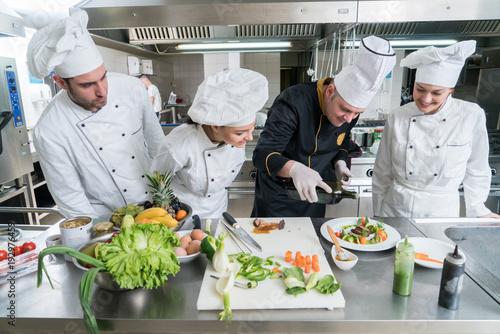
240,232
196,222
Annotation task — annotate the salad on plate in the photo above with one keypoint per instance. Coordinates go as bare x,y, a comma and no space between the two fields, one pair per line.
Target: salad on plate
365,232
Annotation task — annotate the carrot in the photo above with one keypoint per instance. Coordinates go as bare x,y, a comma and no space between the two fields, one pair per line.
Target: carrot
288,256
301,262
362,221
277,270
307,269
308,260
362,240
315,267
315,258
298,255
294,263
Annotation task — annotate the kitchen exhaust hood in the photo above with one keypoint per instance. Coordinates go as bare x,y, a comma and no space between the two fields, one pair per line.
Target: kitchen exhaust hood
11,23
160,25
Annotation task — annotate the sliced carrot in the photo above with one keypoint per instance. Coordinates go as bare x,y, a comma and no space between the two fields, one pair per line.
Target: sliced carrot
288,256
315,258
308,260
307,269
315,267
362,240
277,270
294,263
301,262
298,255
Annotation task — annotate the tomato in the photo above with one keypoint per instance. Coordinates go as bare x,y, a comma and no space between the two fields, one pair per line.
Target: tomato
3,255
383,235
28,246
338,234
18,250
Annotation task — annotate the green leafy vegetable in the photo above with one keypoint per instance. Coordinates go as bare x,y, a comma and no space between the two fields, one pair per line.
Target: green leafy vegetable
141,256
294,280
313,280
327,285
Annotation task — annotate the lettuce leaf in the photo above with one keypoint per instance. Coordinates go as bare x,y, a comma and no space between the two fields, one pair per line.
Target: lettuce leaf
294,280
327,285
141,256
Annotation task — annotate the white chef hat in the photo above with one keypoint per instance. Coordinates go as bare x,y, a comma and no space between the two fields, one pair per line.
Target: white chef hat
64,46
229,98
358,83
439,66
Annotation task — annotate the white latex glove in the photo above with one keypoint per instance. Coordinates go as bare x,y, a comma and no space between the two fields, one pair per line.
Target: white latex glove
305,180
342,173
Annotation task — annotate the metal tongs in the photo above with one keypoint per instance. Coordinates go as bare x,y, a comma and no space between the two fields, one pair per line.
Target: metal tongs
340,251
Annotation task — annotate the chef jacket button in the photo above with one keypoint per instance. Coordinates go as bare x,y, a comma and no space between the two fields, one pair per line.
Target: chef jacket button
414,120
444,119
209,155
212,180
100,148
133,157
437,146
123,135
411,173
146,192
113,170
232,146
209,195
124,190
411,146
143,177
435,174
232,171
116,106
83,125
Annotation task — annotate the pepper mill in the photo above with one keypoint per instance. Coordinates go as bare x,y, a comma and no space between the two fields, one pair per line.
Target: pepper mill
452,279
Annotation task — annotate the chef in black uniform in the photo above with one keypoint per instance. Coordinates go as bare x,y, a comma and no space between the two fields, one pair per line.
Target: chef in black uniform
307,133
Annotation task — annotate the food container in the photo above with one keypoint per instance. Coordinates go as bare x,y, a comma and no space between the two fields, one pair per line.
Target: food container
344,265
358,136
53,240
75,232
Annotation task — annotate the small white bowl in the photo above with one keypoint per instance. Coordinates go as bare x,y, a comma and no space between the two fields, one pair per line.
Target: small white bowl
188,258
344,265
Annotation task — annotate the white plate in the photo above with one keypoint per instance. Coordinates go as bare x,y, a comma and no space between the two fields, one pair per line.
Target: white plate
336,224
188,258
436,250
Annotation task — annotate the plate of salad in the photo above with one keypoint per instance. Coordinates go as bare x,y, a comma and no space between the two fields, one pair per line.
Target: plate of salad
362,233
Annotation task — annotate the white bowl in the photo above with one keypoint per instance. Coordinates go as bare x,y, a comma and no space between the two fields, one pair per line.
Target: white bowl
344,265
188,258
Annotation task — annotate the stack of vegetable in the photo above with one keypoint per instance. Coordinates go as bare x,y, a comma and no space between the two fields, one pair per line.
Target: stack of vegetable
140,256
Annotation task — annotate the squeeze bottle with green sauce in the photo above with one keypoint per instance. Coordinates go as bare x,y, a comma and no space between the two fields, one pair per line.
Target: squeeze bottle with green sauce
403,268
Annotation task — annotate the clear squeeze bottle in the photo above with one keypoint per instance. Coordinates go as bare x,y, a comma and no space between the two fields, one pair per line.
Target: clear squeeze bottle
403,268
452,279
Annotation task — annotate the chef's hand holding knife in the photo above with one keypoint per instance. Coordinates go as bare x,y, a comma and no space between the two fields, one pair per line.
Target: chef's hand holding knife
306,180
343,173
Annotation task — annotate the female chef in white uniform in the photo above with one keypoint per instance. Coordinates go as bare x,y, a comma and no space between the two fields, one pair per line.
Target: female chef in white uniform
206,154
434,144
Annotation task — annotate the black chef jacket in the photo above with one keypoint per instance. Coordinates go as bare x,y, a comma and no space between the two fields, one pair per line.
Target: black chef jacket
296,129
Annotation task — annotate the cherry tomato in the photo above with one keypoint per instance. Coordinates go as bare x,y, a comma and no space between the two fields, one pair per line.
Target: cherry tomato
338,234
28,246
3,255
18,250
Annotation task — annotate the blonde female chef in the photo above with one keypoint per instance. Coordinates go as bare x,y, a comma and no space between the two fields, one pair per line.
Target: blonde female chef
434,144
206,154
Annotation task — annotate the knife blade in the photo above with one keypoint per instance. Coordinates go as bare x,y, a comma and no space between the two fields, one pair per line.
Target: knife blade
240,232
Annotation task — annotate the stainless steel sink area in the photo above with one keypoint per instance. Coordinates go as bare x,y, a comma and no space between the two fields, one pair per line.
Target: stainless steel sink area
478,239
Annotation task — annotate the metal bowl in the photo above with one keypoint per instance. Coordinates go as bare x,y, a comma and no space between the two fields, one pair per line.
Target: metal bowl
103,279
189,211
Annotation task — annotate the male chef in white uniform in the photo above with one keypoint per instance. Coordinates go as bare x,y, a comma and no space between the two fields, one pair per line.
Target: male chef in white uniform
97,136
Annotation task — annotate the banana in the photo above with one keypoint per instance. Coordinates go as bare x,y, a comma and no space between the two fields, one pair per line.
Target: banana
167,220
149,213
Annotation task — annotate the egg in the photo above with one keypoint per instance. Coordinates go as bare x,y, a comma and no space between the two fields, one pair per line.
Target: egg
184,244
186,238
193,248
179,251
197,235
198,242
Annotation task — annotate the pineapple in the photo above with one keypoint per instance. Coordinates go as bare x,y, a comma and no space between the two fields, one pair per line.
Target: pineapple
160,188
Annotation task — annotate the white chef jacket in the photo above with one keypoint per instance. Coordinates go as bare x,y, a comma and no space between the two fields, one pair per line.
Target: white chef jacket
154,92
202,169
422,159
94,163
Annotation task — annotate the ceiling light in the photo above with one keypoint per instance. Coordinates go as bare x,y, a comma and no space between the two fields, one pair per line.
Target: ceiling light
412,43
234,46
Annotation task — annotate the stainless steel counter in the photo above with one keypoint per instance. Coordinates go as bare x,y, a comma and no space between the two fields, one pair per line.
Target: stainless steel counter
371,307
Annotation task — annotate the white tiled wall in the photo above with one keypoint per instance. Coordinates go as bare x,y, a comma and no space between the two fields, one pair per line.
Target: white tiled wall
267,64
188,75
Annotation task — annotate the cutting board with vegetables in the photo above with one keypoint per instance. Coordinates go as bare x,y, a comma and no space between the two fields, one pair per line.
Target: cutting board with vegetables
298,235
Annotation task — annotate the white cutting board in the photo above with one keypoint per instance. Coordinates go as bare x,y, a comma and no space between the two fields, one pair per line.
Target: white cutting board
298,235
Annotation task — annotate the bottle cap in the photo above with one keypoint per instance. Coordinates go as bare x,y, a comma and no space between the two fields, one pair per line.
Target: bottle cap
406,246
455,257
